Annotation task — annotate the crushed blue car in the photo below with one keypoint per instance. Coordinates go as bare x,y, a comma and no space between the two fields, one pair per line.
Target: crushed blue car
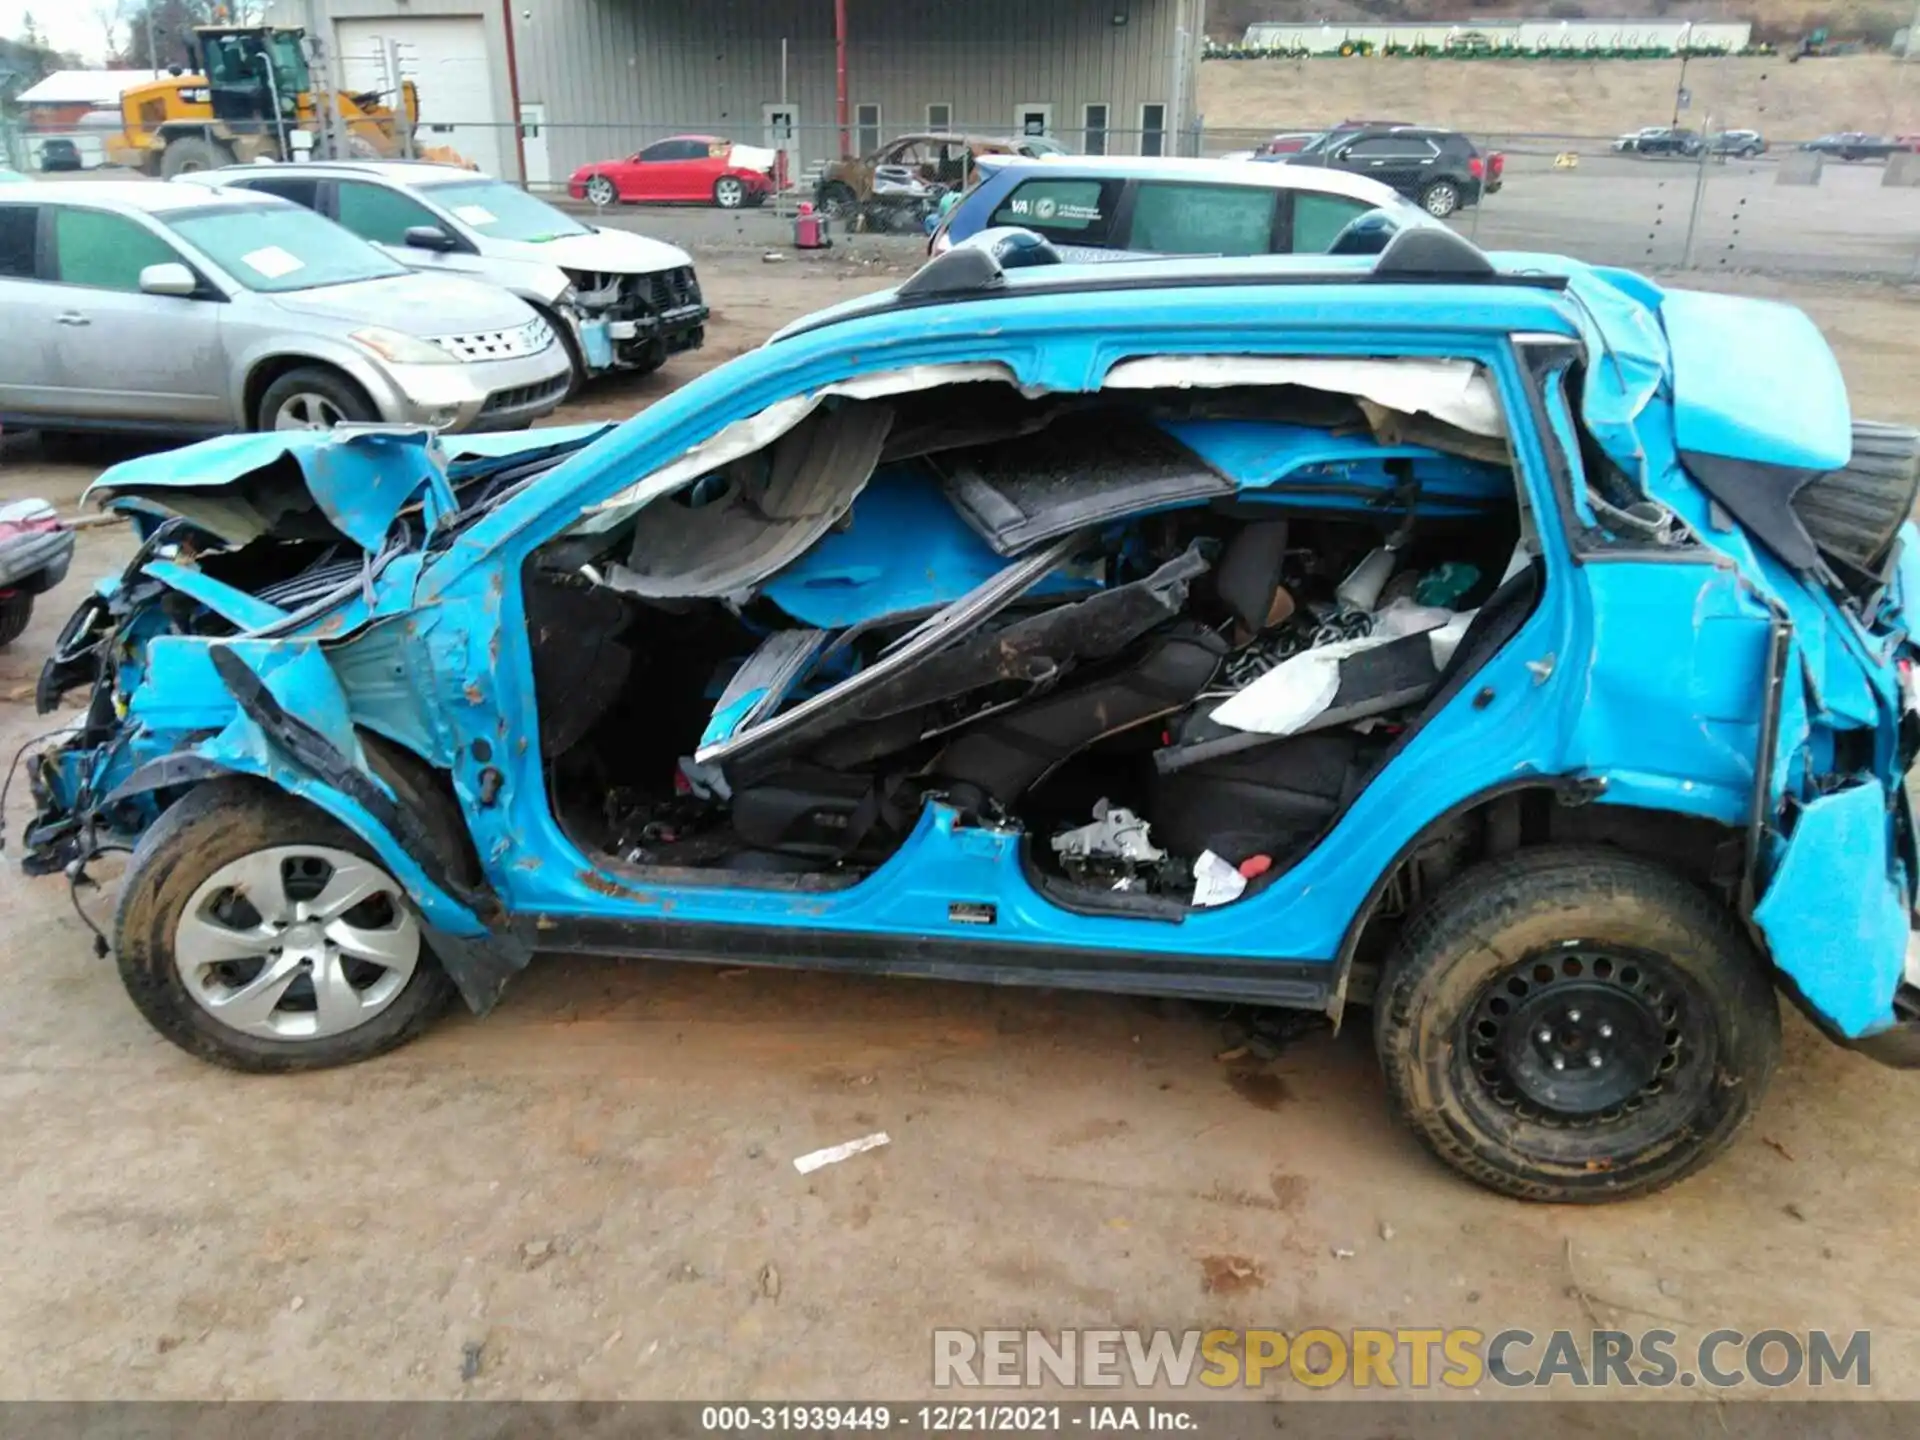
1509,644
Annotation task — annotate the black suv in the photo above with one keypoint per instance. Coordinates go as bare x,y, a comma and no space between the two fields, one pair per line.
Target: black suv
59,154
1441,169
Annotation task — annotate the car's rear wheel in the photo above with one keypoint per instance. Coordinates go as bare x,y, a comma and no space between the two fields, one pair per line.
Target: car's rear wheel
837,199
1575,1025
1440,199
16,609
257,932
601,191
729,193
312,398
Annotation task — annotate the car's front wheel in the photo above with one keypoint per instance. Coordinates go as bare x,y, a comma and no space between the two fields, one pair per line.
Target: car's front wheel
1440,199
313,398
257,932
1575,1025
729,193
601,191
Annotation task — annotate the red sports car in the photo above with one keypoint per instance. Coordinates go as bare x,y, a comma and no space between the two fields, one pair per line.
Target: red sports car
685,167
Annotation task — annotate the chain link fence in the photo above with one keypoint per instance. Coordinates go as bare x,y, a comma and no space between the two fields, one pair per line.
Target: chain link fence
1783,210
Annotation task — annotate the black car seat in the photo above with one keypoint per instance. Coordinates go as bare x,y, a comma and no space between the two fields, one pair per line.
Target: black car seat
1001,758
1277,799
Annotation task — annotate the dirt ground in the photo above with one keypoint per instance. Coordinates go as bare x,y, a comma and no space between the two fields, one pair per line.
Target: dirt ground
591,1194
1571,97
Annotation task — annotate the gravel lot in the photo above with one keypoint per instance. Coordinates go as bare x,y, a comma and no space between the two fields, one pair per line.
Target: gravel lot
594,1186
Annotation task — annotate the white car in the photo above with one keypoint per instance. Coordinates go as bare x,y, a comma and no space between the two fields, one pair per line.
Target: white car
619,301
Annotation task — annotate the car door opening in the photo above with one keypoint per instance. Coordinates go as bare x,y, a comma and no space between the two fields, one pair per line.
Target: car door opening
1168,631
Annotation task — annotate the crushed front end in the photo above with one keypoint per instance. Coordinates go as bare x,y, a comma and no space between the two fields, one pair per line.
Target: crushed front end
629,321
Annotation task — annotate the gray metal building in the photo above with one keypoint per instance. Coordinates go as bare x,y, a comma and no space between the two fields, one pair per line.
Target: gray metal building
593,79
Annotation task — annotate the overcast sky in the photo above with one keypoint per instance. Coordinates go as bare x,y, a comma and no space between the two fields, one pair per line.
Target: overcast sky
65,24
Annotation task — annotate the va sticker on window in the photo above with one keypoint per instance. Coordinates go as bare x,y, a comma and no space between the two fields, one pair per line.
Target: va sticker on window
475,214
272,262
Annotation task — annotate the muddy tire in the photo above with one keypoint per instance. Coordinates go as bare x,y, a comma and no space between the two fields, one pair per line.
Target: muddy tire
1575,1025
202,905
190,153
16,609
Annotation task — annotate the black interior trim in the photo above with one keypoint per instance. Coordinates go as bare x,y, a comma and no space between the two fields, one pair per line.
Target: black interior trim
1297,984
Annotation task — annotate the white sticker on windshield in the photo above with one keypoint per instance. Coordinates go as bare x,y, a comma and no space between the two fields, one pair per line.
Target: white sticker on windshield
272,262
475,214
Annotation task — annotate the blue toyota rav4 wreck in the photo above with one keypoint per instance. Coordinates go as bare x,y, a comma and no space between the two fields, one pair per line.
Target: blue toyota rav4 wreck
1510,643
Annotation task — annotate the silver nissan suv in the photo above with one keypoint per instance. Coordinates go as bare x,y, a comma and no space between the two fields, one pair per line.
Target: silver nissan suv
178,310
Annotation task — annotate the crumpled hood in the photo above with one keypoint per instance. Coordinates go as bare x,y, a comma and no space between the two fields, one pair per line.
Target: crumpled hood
611,252
358,478
415,303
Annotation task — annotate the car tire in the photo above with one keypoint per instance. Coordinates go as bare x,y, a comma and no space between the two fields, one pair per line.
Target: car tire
1575,1025
602,191
228,843
1855,513
16,609
1440,199
729,193
189,154
837,199
312,397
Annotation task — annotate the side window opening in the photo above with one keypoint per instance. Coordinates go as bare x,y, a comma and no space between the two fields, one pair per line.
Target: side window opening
376,213
105,251
1095,579
18,224
1078,211
1178,219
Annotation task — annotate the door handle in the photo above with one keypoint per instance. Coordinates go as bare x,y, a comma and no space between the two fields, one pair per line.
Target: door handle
74,317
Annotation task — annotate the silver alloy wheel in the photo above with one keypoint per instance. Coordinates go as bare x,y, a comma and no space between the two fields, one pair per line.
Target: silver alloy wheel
296,942
1442,199
729,193
306,410
600,190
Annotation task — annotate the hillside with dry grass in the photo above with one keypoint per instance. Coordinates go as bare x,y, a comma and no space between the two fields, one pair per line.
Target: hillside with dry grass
1571,97
1776,20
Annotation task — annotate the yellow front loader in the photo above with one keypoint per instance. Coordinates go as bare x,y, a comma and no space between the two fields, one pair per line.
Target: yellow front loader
252,101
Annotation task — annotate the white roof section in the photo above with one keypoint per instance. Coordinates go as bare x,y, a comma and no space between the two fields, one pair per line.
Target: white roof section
86,87
394,172
1274,175
146,195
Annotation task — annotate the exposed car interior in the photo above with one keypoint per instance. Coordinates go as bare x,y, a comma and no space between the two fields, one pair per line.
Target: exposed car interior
1169,631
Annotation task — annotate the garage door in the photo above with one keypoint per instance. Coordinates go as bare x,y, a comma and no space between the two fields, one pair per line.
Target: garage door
447,59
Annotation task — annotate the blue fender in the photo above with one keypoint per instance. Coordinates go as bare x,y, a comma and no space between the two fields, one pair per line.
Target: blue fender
293,729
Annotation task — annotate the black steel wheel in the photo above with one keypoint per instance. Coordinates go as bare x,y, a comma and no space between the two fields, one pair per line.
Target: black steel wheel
1579,1035
1575,1025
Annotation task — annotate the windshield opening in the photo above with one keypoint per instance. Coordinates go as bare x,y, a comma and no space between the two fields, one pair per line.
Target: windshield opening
281,248
503,212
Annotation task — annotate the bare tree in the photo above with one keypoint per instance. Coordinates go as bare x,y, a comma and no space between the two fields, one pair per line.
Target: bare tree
109,14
